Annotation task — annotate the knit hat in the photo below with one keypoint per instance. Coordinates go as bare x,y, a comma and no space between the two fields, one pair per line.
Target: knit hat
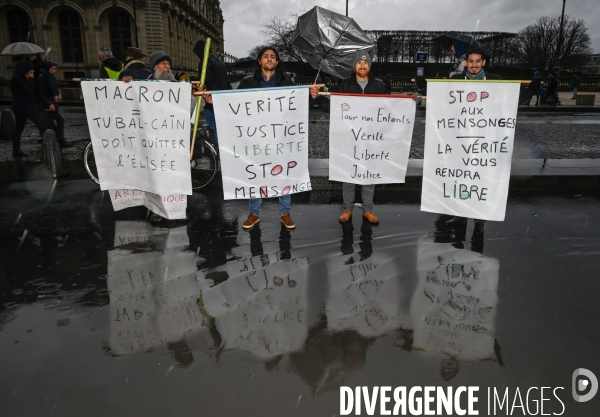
49,64
361,56
158,57
23,67
537,74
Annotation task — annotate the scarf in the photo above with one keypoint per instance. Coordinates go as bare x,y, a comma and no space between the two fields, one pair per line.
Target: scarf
480,76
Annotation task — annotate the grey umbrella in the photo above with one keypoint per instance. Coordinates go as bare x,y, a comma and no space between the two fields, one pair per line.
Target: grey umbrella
329,41
22,48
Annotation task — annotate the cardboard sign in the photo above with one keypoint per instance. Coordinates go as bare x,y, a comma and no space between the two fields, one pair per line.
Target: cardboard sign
141,134
469,137
263,141
454,307
369,138
171,206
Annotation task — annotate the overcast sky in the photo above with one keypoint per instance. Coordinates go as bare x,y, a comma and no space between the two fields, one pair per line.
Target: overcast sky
243,18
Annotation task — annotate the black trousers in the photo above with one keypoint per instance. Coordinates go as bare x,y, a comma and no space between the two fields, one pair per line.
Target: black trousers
60,123
21,118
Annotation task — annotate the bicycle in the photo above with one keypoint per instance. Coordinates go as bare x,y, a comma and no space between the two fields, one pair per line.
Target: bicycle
203,166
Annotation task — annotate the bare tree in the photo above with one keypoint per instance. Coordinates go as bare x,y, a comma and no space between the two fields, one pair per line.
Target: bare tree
537,43
279,33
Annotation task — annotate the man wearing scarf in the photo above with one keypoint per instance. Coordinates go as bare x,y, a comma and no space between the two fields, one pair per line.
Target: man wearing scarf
474,63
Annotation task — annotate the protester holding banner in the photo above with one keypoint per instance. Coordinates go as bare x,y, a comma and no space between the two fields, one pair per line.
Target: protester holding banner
474,63
360,82
216,79
269,73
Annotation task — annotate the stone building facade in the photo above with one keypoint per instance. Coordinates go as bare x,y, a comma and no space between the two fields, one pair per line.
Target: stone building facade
74,30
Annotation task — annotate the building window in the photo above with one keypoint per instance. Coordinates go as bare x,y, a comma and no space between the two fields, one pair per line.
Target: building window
70,36
120,33
17,22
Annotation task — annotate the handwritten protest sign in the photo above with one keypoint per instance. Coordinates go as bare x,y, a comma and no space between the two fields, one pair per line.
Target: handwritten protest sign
369,138
263,141
141,134
170,206
454,306
469,135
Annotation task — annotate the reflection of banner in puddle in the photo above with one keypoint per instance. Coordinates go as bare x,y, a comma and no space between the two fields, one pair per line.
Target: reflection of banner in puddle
171,206
153,295
366,296
454,307
260,308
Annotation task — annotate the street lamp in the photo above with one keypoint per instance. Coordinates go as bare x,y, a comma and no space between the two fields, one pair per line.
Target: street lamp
560,35
346,8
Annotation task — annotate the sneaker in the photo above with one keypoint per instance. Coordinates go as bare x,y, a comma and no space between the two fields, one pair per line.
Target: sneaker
287,221
251,221
346,215
371,217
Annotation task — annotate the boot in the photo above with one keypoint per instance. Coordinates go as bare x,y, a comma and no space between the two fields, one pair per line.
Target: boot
64,144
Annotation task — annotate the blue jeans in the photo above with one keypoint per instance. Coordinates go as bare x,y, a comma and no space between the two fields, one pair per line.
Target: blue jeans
574,93
285,204
209,115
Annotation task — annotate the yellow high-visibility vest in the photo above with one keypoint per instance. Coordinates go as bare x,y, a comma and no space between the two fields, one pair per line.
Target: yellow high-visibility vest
113,75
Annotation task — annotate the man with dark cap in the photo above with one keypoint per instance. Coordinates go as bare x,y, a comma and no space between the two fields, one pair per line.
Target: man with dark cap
216,79
360,82
25,105
49,96
134,68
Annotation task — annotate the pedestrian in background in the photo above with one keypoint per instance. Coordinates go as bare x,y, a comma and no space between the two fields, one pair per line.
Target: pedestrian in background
575,84
25,103
535,86
135,68
110,67
552,89
49,97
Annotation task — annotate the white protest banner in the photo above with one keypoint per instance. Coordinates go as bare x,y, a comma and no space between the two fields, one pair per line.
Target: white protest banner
369,138
170,206
469,135
263,141
141,134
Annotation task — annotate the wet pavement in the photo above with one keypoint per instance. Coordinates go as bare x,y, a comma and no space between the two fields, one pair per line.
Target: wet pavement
573,136
102,313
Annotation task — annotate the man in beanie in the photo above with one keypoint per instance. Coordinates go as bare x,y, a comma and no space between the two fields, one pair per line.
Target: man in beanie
49,96
134,68
25,105
160,66
360,82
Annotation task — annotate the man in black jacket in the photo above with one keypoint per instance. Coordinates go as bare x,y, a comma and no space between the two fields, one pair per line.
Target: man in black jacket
25,105
110,67
269,73
135,68
49,96
474,63
215,80
360,82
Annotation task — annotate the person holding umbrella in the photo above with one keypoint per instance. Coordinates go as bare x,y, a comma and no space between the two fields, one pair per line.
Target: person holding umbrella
359,82
24,105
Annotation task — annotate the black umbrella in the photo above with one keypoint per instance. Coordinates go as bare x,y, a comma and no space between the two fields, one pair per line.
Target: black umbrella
447,39
330,41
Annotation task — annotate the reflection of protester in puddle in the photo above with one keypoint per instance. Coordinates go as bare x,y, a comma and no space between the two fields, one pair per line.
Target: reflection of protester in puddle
329,358
366,246
256,246
181,353
453,229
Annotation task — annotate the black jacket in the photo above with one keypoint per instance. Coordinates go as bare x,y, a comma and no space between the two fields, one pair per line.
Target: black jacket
553,84
488,76
216,75
535,84
135,68
576,83
254,81
24,91
350,85
47,93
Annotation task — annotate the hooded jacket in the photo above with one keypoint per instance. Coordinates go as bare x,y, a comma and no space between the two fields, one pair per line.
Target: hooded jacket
350,85
48,85
24,91
136,69
112,64
216,75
